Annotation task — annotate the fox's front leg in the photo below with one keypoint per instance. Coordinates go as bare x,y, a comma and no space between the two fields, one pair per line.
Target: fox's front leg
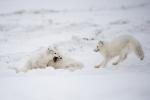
103,63
97,66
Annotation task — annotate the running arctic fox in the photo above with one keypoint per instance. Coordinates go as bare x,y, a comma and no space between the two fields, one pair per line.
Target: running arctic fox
120,47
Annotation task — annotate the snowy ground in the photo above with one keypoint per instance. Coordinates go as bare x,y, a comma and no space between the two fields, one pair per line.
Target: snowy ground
74,26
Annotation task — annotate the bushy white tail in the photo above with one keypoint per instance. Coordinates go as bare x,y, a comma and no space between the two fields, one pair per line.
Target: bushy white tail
137,48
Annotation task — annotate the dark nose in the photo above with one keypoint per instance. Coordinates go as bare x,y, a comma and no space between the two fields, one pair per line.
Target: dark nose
60,57
95,50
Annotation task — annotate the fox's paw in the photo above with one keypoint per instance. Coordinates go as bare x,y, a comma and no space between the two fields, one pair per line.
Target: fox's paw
97,66
114,63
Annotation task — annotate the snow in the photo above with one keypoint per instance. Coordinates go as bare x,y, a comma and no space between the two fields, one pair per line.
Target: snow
74,26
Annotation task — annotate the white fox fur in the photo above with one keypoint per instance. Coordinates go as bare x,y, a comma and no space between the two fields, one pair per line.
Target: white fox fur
50,57
119,46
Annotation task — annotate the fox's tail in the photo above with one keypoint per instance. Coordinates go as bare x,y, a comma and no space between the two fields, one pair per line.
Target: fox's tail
137,48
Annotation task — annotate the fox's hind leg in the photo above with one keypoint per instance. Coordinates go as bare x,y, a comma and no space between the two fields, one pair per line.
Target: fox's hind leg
118,60
121,58
103,63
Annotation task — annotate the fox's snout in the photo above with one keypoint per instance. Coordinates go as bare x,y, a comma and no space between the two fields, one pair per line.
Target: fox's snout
95,50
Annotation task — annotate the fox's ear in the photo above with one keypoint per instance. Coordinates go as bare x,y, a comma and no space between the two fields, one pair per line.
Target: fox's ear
49,50
55,47
101,43
49,47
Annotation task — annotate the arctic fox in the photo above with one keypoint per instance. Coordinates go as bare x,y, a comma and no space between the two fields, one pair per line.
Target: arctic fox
119,46
50,57
40,59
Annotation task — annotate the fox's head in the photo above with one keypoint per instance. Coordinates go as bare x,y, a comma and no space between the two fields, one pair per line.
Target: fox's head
99,46
54,53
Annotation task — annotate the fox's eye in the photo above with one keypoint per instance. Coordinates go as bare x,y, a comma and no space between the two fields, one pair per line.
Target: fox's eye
54,53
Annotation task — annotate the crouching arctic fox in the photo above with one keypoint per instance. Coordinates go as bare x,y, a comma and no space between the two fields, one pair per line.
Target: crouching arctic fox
119,46
50,57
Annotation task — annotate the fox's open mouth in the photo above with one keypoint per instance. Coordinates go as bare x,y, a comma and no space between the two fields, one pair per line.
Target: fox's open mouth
55,59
